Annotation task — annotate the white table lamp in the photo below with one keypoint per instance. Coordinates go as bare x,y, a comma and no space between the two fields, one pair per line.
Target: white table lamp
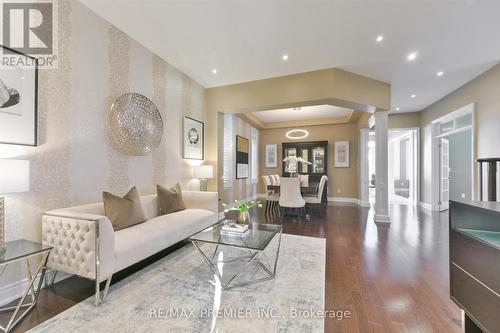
14,178
203,172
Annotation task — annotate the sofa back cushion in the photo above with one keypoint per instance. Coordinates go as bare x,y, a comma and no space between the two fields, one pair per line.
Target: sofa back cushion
124,212
149,205
95,208
170,200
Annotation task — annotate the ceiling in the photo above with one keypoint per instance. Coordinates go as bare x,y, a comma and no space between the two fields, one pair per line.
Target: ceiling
245,40
302,113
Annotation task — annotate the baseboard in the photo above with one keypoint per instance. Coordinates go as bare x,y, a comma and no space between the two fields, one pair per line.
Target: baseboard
382,219
12,291
15,290
425,205
344,200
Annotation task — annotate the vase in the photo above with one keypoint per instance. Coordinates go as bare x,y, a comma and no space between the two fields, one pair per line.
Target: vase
244,217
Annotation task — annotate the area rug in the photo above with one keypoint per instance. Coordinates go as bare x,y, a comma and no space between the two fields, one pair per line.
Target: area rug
179,293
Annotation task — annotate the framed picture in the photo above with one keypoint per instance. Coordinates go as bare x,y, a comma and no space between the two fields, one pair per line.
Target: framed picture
342,154
193,139
18,104
242,149
271,156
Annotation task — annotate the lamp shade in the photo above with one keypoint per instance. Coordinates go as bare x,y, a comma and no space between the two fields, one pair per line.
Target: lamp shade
203,172
14,176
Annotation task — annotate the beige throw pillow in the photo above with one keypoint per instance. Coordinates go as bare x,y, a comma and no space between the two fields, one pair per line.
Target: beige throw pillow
123,212
170,200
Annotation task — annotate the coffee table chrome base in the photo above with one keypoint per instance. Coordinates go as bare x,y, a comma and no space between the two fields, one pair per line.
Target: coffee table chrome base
254,256
32,290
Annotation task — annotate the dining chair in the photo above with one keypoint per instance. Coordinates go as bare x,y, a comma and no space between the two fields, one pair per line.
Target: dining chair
304,180
290,196
271,197
277,177
316,199
272,180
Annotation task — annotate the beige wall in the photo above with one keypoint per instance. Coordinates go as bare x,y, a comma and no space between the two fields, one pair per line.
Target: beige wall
483,92
404,120
75,160
396,120
343,179
329,86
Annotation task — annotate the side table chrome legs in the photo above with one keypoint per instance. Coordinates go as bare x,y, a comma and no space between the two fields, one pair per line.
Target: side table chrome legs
33,289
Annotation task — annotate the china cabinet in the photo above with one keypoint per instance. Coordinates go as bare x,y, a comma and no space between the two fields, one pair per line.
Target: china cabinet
315,152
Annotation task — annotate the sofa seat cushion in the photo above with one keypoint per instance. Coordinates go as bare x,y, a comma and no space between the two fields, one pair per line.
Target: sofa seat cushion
143,240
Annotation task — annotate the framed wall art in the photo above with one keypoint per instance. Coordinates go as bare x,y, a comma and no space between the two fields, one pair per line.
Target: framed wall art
271,157
18,103
242,149
193,139
342,154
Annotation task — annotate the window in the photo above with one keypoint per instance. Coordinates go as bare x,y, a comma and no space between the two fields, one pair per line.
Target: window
446,127
228,151
254,159
464,121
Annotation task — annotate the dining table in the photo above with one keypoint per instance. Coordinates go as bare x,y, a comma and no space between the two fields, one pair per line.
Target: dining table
312,188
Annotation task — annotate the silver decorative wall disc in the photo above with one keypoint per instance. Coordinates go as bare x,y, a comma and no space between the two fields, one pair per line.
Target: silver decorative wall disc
135,124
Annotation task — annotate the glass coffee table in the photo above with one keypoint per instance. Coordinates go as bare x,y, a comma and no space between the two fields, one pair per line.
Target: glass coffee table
251,248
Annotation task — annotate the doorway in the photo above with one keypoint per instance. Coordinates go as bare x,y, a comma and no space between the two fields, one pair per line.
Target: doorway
403,166
453,165
371,167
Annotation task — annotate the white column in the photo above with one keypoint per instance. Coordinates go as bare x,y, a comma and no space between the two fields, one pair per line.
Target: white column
364,195
381,166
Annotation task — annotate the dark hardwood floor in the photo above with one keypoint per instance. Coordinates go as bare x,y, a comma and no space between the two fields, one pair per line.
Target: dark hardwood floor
391,279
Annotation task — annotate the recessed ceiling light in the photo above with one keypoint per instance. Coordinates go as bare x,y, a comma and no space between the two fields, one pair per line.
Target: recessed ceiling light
440,73
413,95
297,108
412,56
397,109
285,57
214,71
379,38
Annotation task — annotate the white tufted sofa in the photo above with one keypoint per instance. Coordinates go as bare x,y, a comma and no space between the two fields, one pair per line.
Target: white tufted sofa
85,243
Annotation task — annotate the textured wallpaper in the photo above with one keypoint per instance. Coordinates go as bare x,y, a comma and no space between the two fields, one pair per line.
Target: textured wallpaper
75,160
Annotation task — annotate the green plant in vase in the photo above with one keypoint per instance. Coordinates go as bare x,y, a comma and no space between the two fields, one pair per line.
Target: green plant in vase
242,208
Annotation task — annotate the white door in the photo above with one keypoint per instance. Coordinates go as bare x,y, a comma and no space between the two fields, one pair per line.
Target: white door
444,185
411,167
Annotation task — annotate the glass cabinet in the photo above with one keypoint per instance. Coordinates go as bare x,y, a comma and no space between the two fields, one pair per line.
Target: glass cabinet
291,166
318,160
315,152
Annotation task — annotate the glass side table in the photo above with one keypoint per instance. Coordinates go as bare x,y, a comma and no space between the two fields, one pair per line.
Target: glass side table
24,250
